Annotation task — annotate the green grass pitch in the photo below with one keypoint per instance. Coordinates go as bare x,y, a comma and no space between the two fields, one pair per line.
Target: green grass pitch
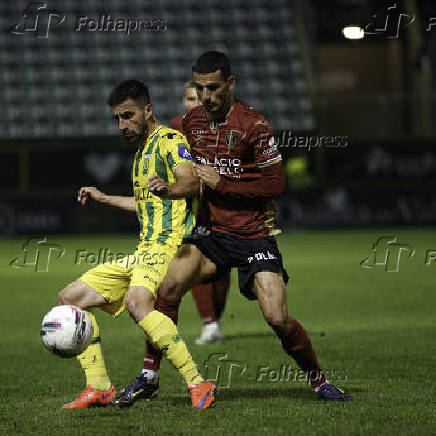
377,329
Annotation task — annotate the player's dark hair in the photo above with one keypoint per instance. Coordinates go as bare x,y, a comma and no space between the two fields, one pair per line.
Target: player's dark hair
189,84
212,61
133,89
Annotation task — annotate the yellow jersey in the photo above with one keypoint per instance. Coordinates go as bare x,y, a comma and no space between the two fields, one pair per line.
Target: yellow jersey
162,221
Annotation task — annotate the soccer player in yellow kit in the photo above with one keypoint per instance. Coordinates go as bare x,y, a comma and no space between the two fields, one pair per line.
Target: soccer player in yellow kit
163,180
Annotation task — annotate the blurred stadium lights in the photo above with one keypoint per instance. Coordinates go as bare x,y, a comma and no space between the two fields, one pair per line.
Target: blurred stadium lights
353,32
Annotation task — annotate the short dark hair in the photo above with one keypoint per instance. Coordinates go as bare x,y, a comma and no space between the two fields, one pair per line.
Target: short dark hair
133,89
189,84
212,61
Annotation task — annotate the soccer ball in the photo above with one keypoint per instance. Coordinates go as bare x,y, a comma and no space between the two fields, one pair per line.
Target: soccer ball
66,331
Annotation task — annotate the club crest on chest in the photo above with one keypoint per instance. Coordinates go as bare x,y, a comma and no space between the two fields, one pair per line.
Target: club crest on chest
231,140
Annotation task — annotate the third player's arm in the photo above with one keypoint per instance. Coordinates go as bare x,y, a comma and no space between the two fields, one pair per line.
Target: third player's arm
91,193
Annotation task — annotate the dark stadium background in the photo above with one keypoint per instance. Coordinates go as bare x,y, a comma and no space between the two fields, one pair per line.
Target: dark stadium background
374,98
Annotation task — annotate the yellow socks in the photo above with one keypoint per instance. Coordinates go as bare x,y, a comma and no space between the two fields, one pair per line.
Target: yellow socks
92,361
163,334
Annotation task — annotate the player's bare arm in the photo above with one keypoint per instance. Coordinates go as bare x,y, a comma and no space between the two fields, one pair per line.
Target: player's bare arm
91,193
186,185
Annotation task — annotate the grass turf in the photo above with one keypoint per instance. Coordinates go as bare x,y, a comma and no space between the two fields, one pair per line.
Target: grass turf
376,329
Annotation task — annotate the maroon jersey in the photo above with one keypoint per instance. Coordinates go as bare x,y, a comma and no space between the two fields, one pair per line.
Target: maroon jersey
176,123
243,151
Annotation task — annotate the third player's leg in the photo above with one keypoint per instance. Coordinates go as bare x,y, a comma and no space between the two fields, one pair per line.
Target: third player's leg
188,268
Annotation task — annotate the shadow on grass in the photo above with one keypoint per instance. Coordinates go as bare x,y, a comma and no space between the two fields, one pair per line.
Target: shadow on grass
264,334
236,394
264,393
168,403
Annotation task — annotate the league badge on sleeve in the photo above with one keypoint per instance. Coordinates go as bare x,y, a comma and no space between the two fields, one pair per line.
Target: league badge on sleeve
184,152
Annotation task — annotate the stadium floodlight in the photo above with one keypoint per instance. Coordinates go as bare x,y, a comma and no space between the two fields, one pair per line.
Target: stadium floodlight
353,32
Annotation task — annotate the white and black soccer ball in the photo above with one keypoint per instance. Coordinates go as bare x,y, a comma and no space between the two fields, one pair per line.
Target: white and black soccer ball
66,331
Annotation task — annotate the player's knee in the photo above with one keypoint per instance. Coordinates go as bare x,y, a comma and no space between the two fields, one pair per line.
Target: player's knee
139,302
67,296
60,298
80,295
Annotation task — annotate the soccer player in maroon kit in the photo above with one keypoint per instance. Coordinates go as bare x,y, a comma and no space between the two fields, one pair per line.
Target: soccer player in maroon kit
209,298
240,168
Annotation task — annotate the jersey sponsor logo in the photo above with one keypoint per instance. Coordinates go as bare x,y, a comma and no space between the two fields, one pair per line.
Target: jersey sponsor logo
184,153
224,165
199,131
272,148
261,256
200,231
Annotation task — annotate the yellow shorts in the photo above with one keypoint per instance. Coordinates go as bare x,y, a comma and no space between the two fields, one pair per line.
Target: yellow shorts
146,268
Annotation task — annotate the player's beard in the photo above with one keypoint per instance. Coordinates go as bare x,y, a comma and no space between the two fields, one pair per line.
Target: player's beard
218,110
136,139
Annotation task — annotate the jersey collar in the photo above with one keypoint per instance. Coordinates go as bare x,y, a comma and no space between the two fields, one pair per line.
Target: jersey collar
214,126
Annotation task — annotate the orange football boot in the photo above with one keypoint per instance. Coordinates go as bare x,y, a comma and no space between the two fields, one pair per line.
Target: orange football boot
202,394
91,397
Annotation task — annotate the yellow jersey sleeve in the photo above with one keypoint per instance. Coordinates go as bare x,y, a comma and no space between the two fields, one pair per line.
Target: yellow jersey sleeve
176,149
